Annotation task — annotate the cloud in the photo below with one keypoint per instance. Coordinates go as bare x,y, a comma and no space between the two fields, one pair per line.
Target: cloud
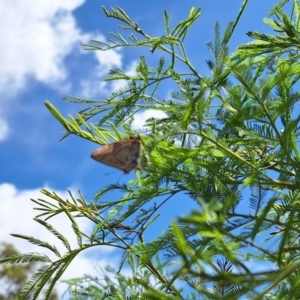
129,70
37,38
16,216
141,118
3,130
106,60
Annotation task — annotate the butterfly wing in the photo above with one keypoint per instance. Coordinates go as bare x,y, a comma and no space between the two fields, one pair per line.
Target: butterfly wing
129,154
123,155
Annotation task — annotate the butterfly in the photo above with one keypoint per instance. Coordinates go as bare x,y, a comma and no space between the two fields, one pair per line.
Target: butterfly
123,155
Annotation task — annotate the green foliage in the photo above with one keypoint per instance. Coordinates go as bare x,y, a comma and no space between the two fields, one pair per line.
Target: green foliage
13,276
223,135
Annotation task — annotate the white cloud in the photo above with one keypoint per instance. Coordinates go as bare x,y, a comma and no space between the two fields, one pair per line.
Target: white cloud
107,60
3,130
37,38
16,216
93,86
141,118
130,70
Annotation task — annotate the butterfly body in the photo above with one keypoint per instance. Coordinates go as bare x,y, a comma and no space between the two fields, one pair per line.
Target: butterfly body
123,155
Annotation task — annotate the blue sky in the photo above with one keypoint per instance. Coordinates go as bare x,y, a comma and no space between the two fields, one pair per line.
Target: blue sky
41,59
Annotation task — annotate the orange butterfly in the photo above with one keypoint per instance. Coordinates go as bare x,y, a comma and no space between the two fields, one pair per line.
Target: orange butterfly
123,155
